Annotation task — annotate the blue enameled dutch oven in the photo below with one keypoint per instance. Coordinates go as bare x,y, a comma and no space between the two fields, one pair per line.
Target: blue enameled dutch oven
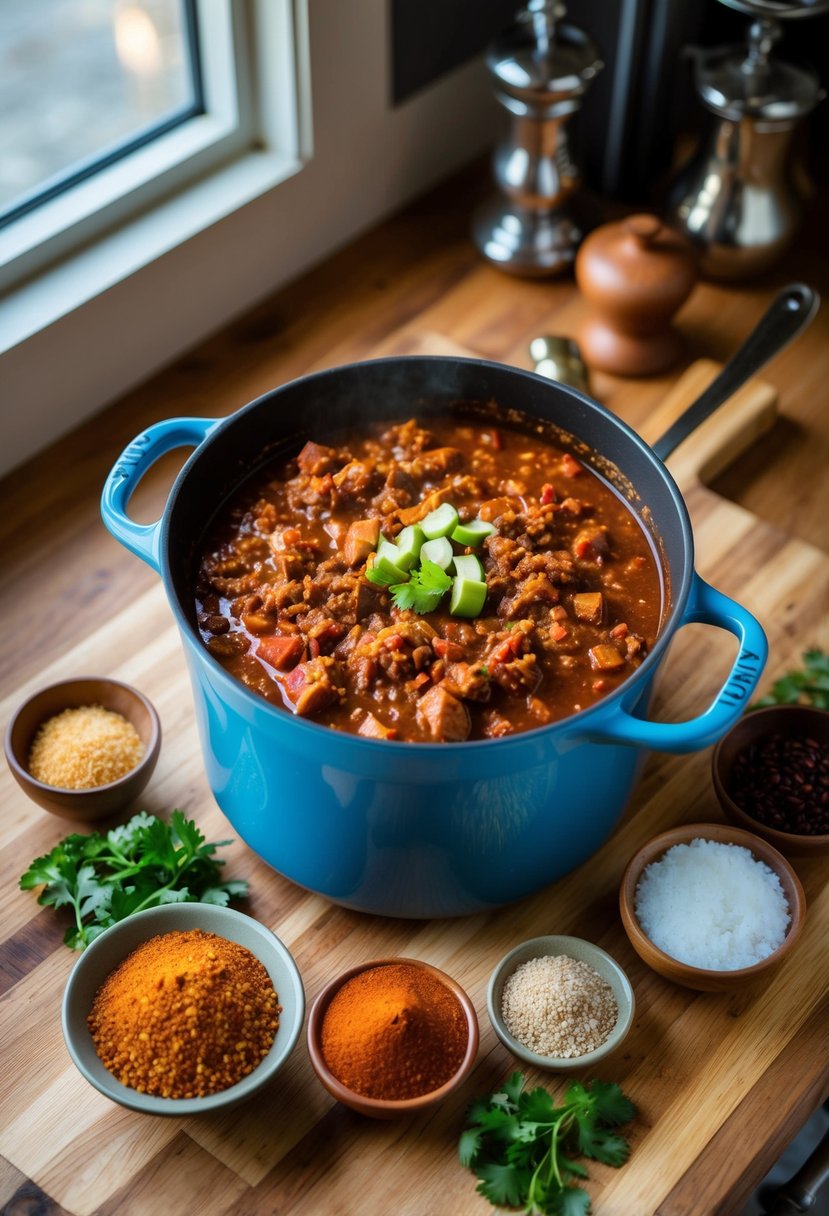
417,829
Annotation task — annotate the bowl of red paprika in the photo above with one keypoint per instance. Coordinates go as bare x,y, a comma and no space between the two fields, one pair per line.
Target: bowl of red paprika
392,1037
771,775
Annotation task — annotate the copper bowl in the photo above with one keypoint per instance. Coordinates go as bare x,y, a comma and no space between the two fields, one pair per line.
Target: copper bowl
700,978
381,1108
792,721
100,801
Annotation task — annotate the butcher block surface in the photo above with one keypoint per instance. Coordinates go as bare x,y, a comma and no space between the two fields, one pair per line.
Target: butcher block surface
721,1082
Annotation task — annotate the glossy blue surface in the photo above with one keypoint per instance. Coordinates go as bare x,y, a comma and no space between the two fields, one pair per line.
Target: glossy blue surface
422,830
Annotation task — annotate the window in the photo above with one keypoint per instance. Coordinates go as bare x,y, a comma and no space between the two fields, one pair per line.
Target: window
84,84
108,106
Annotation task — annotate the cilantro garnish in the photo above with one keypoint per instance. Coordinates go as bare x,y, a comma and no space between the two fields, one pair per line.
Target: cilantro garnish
520,1144
423,590
808,685
141,864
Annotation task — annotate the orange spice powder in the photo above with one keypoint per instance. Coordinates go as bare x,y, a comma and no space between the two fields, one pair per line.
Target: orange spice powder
185,1015
394,1031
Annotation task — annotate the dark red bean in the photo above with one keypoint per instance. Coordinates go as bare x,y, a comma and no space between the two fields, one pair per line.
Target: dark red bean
783,782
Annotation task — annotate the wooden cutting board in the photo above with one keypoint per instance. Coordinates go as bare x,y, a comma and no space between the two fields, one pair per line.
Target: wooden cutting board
721,1082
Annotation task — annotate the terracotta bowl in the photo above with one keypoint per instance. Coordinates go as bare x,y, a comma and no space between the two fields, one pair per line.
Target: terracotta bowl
106,952
573,947
701,978
378,1108
793,721
103,800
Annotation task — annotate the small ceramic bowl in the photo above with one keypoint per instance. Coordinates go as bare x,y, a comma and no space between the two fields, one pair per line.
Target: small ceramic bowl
103,800
584,951
112,947
791,721
379,1108
700,978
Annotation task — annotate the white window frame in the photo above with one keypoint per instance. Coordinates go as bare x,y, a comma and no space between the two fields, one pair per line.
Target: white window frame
247,110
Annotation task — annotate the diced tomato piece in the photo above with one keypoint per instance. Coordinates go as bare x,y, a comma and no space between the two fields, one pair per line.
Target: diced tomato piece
558,633
451,651
548,494
571,467
281,651
393,642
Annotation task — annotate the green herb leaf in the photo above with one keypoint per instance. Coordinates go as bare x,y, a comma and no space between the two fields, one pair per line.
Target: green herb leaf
520,1145
141,864
574,1201
500,1184
808,685
610,1104
424,590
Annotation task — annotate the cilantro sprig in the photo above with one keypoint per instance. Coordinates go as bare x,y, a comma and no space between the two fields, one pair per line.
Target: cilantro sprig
423,591
143,863
808,685
521,1145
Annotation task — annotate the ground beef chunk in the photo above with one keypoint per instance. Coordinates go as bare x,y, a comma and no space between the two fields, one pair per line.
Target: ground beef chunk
314,685
443,716
468,680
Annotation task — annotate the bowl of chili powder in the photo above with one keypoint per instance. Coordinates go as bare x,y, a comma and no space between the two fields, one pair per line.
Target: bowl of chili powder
182,1009
771,775
392,1037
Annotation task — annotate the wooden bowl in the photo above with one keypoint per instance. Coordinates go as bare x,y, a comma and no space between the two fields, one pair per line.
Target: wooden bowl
380,1108
793,721
103,800
573,947
700,978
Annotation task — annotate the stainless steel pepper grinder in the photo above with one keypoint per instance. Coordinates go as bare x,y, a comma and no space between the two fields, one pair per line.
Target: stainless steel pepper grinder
541,70
738,197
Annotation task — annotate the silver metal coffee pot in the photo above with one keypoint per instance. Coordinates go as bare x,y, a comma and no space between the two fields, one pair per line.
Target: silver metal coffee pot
541,69
740,197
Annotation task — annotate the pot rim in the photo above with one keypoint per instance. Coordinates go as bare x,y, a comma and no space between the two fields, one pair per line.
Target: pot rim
584,719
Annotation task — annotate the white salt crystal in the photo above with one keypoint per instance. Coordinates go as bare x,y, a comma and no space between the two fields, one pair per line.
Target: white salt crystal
712,905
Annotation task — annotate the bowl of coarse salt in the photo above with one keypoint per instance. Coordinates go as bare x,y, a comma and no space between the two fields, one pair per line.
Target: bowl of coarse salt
711,907
560,1003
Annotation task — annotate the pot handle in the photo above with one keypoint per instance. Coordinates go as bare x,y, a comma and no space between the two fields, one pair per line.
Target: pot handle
122,480
709,607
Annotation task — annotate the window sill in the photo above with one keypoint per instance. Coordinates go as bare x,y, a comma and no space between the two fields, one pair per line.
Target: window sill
59,291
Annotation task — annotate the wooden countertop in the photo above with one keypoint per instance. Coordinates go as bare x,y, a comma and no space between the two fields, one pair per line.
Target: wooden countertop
721,1083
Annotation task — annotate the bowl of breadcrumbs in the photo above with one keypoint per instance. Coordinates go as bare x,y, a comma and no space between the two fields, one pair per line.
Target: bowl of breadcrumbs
560,1003
84,748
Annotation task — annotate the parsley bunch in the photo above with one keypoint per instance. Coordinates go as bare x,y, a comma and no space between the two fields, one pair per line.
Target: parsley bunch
808,685
520,1144
139,865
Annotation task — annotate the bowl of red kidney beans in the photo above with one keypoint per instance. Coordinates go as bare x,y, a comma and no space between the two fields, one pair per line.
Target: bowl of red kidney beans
771,775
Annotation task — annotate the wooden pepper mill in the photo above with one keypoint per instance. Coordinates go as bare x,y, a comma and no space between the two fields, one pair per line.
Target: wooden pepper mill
635,274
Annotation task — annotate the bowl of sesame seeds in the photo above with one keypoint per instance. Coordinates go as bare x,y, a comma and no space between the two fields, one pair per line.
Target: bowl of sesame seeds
560,1003
84,748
